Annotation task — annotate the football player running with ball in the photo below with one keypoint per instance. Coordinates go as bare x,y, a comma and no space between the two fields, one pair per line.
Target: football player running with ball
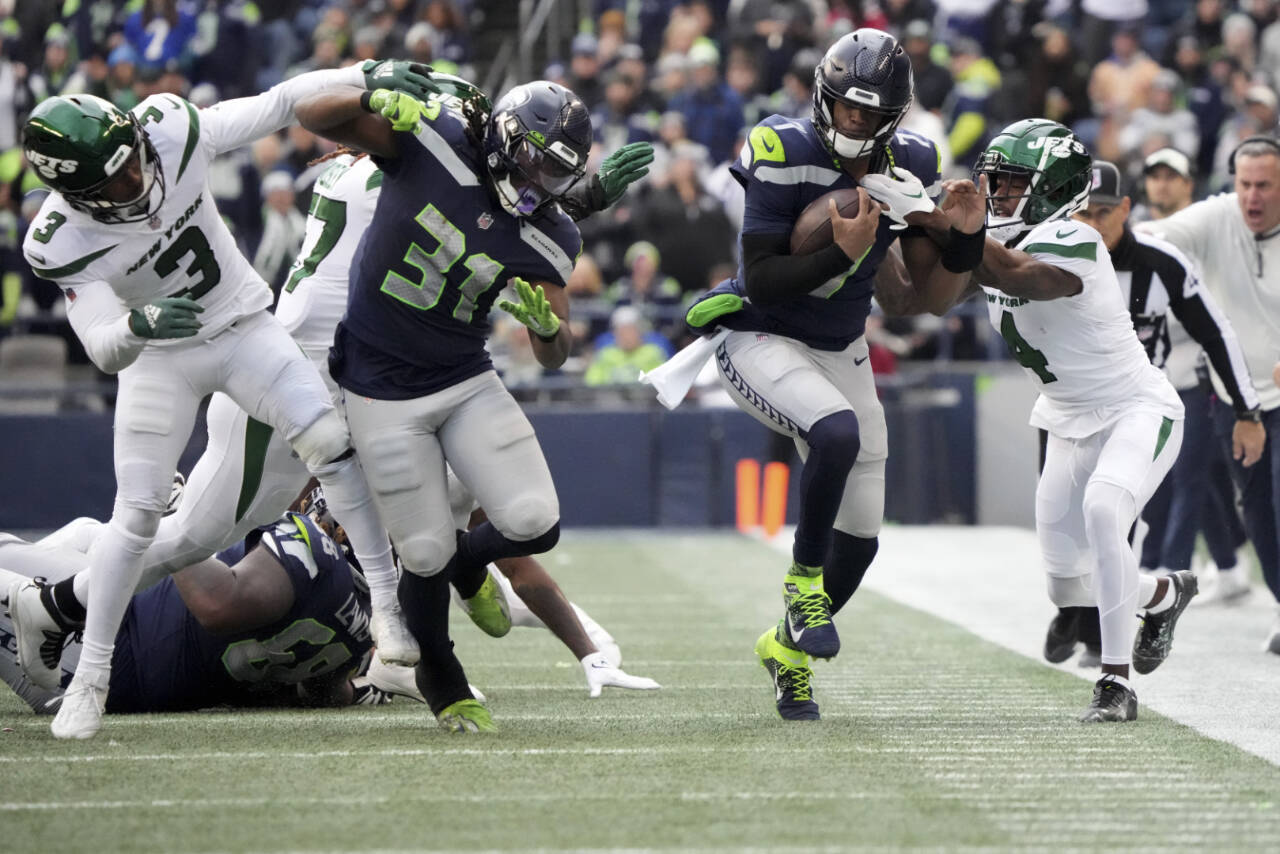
796,358
158,292
1114,421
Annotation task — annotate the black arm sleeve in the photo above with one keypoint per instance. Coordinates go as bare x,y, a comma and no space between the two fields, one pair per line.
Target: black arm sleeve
583,199
774,275
1201,326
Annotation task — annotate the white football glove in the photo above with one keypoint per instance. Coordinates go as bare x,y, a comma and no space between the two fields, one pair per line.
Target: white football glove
904,195
601,674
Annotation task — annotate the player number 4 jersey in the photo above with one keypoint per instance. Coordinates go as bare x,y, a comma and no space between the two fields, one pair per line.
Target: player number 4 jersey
1081,351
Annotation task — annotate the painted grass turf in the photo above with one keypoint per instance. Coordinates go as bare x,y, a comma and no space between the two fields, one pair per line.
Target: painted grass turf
932,739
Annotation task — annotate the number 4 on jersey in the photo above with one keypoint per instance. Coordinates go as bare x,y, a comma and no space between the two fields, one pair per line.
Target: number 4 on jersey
1026,355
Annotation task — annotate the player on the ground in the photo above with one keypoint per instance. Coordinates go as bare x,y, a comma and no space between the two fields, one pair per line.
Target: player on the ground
132,236
462,212
249,475
1114,421
796,359
284,621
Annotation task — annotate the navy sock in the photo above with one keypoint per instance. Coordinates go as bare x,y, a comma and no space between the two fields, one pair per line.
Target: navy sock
425,602
484,544
833,448
850,557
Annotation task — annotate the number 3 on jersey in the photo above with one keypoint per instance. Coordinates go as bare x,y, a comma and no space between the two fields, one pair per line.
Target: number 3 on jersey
1026,355
434,268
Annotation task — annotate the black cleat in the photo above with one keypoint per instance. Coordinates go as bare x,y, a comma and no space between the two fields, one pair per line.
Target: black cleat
1155,638
1060,642
792,678
1113,702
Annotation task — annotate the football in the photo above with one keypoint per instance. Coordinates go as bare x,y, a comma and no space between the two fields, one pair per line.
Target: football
812,230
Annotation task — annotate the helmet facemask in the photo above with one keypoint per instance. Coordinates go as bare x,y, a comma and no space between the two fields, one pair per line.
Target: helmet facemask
850,147
528,172
149,198
1034,204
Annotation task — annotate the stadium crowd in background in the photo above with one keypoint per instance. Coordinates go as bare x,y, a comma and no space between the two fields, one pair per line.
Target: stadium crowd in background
1130,77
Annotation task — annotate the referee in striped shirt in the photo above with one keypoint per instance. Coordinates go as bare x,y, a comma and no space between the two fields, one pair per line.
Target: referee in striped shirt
1158,278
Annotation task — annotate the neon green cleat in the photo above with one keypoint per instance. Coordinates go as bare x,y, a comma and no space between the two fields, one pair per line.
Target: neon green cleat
488,609
792,677
466,716
808,625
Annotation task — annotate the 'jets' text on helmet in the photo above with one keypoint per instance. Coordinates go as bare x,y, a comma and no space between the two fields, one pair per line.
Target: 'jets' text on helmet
79,144
1037,171
868,70
536,145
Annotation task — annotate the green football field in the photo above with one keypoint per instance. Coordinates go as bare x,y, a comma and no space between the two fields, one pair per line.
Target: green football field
931,739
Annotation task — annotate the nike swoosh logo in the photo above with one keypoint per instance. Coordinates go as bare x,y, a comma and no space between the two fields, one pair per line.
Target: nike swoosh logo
601,665
914,195
863,359
766,145
791,628
1060,235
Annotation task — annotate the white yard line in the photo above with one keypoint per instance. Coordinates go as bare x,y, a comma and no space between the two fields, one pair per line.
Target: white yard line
989,581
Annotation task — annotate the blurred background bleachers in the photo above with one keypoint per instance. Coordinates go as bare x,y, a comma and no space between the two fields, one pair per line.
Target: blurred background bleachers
1130,76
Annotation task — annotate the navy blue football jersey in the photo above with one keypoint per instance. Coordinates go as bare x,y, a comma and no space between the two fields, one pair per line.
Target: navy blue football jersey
166,661
439,250
784,167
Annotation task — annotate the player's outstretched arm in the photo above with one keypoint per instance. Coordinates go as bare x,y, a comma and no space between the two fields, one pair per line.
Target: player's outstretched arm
544,309
619,170
940,262
1019,275
347,116
896,294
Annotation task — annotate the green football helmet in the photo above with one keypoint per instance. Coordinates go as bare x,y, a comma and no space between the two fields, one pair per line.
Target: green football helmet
464,97
79,143
1055,166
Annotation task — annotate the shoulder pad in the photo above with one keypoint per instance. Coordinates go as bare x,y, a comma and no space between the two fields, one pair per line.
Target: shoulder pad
1063,238
62,242
920,156
785,151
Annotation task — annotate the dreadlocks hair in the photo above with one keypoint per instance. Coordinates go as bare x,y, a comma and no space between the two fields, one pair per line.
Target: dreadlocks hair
338,152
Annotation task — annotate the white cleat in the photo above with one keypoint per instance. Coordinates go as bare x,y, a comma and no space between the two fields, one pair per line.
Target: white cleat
395,643
40,638
601,674
603,641
1229,587
394,679
80,715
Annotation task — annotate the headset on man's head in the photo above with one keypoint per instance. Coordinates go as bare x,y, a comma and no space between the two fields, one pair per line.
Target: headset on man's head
1269,140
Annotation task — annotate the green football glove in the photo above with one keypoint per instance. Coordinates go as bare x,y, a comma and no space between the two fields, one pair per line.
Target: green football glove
533,310
170,317
411,77
623,168
403,110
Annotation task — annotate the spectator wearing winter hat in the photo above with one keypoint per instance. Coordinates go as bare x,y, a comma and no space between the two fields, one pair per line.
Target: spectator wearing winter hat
712,111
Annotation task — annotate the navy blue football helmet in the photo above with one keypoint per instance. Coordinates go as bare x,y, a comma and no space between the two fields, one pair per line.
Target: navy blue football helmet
536,145
869,70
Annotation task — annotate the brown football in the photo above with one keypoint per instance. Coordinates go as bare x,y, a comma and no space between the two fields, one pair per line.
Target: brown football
812,230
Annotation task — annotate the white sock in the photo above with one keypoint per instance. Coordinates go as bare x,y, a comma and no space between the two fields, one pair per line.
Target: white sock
351,504
116,558
1165,602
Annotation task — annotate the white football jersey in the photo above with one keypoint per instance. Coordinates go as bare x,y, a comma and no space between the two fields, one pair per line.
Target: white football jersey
185,250
1081,351
315,296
